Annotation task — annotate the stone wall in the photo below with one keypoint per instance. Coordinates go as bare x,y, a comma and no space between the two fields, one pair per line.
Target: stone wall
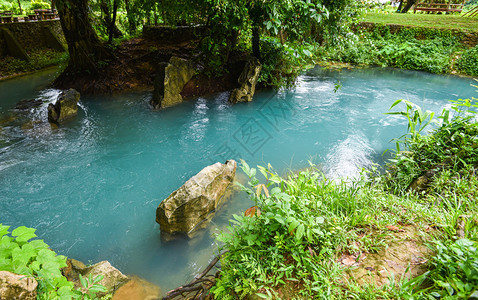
30,35
467,38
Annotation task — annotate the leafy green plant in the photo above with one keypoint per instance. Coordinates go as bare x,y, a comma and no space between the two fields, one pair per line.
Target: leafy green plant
468,62
417,119
20,253
454,270
450,146
283,62
293,231
91,286
39,4
415,49
33,258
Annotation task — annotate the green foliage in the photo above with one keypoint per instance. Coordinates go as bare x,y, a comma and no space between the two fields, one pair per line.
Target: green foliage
454,271
91,286
453,145
33,258
6,6
38,60
20,253
282,63
413,49
417,121
39,4
468,62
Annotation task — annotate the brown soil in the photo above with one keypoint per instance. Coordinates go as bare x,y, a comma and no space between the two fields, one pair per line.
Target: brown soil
132,68
201,84
134,65
405,257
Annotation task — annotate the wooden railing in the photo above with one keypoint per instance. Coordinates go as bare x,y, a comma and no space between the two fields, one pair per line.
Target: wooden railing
472,12
439,7
39,15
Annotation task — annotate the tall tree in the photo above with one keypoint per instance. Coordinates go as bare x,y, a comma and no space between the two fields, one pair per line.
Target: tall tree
112,24
109,22
20,7
85,48
409,5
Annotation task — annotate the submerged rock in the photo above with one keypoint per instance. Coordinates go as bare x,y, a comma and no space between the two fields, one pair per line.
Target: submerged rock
170,79
190,205
247,82
65,107
14,286
28,104
137,289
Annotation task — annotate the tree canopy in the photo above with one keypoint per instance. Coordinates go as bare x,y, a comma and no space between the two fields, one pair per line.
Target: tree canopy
226,21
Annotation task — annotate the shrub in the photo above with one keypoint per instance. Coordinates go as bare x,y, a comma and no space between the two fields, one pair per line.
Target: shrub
39,4
468,62
282,63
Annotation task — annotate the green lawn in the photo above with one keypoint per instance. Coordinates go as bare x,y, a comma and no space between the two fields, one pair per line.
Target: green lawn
425,20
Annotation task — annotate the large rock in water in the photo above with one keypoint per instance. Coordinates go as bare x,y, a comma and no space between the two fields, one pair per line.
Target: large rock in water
170,80
14,286
189,205
65,107
247,82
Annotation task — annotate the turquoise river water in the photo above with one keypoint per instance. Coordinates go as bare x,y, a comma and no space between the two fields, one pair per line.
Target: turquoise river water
91,187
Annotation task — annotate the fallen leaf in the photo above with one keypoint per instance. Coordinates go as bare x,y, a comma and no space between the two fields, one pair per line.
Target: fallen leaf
394,228
348,260
312,253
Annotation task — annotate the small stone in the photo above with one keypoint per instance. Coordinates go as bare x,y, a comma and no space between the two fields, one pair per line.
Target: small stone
113,278
73,269
65,107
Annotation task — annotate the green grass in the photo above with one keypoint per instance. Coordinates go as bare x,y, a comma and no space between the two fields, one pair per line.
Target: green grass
425,20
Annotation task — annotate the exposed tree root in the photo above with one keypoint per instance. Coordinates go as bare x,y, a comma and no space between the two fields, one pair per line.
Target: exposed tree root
199,287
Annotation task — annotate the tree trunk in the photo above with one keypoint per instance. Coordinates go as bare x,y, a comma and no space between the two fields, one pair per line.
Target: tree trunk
256,40
84,46
107,22
408,6
399,9
20,7
112,26
131,17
